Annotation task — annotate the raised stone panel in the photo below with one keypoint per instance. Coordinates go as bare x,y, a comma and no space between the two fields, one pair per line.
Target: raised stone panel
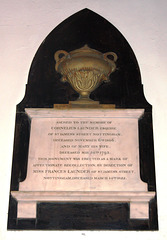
84,155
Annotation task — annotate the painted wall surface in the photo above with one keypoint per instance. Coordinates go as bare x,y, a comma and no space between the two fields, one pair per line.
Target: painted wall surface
24,25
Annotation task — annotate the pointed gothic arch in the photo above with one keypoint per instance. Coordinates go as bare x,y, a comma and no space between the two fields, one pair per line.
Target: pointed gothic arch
84,27
44,89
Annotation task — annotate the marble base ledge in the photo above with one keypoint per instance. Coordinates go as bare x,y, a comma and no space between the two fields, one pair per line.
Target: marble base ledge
27,201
